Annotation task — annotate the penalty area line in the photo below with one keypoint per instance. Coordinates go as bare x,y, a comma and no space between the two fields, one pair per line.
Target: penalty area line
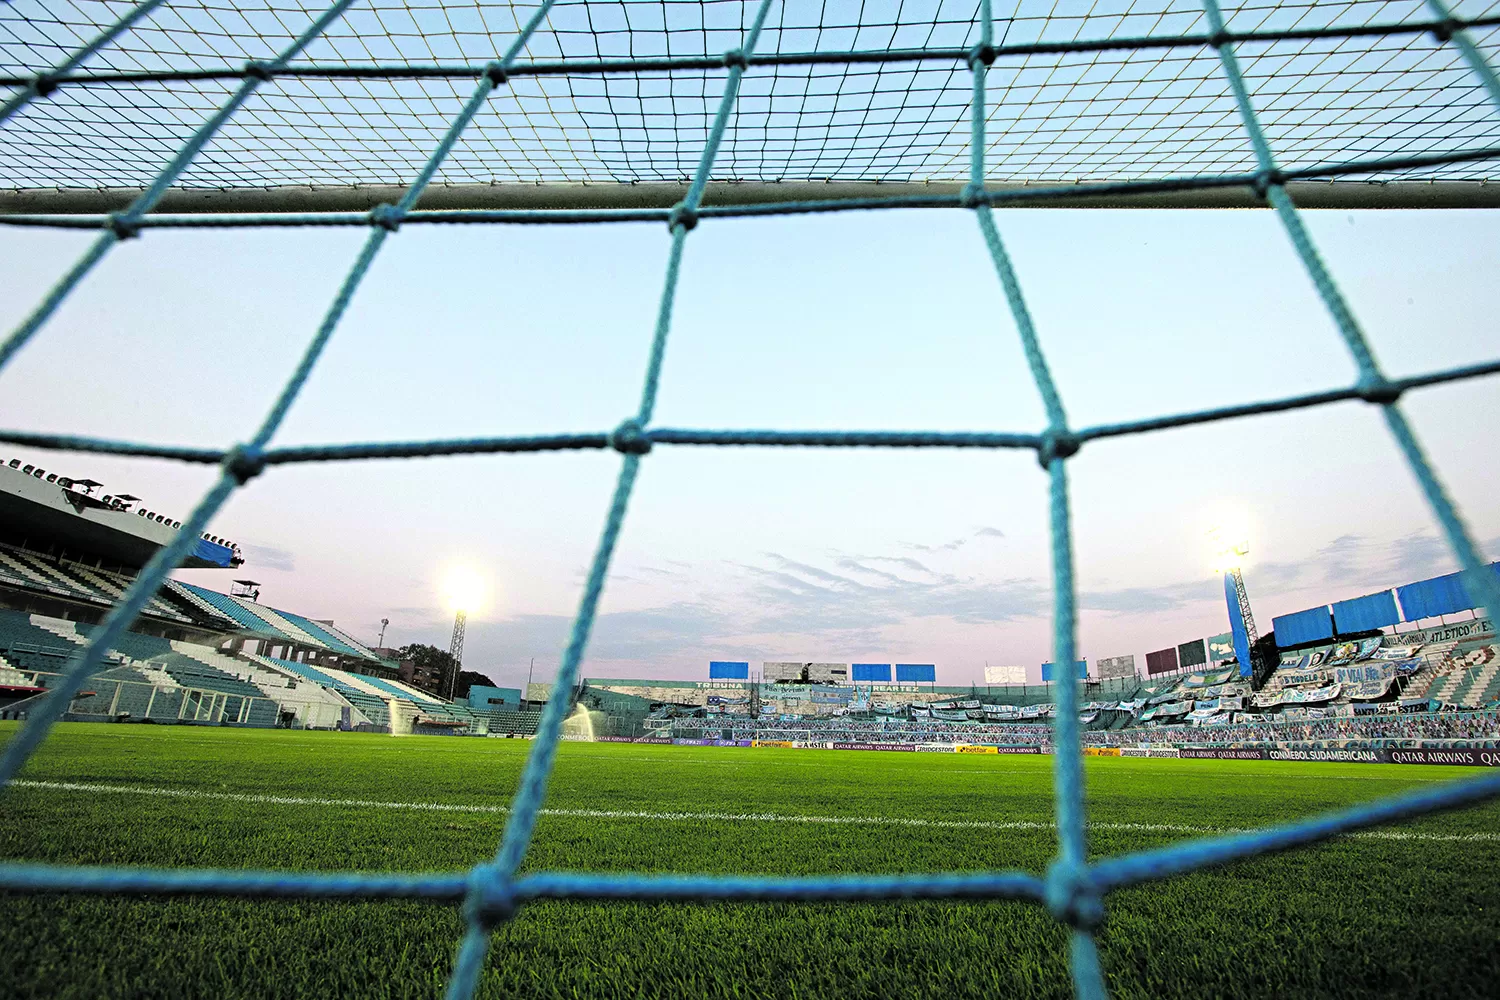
701,817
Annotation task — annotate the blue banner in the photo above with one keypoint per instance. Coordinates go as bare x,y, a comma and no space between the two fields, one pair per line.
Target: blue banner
1081,665
1365,613
1302,627
871,673
1237,626
213,552
916,673
1442,595
728,670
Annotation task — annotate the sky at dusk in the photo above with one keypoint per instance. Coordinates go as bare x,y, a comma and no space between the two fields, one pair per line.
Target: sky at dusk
889,320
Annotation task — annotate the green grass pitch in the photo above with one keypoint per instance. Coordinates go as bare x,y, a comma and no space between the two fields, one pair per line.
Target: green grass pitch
1405,911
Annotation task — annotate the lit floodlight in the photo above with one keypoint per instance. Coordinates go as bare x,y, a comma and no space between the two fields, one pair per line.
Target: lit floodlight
464,589
1229,546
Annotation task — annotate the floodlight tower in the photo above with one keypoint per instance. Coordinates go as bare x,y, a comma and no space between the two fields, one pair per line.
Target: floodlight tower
1230,550
456,650
466,591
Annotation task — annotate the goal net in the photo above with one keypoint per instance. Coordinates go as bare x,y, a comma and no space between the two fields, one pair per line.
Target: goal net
121,118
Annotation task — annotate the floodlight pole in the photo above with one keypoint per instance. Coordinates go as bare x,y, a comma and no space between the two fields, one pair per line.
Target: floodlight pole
1243,596
1238,600
456,649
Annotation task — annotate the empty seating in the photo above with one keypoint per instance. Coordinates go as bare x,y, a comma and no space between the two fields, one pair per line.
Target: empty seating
233,610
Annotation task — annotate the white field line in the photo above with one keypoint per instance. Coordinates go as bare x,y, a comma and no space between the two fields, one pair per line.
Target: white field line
700,817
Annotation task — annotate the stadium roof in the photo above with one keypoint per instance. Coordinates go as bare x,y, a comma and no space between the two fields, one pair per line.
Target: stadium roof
48,514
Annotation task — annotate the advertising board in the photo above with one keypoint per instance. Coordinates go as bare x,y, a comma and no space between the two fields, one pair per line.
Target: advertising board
1162,661
1117,666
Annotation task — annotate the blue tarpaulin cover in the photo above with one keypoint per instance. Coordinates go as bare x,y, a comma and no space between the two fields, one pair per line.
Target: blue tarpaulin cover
1304,626
1047,671
1442,595
915,673
1363,613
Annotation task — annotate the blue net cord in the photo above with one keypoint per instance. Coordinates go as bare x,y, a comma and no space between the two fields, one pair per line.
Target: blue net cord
1375,387
1069,894
1453,30
492,897
123,225
1073,889
1444,26
600,440
44,83
243,462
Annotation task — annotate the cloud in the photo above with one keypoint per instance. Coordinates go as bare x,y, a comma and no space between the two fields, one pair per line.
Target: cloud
1344,558
798,597
641,635
906,562
269,557
957,543
1420,555
1140,600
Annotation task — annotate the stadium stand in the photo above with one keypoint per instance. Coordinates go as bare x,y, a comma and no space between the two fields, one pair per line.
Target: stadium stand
517,723
205,609
93,586
377,699
265,623
234,611
326,635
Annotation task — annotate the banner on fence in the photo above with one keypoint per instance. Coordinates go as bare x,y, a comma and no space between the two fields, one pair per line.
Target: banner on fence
1221,647
1007,676
1473,629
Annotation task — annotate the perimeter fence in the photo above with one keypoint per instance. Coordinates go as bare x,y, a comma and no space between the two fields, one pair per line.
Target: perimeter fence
1074,887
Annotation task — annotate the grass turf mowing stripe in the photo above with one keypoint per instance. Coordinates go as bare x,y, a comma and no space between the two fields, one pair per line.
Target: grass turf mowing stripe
726,817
